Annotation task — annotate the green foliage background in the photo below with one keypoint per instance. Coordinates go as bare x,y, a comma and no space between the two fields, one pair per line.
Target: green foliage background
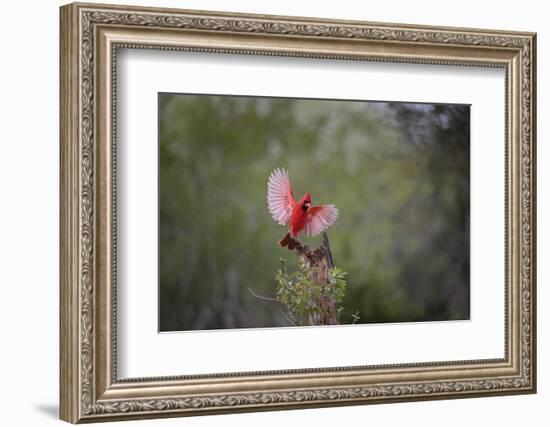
398,172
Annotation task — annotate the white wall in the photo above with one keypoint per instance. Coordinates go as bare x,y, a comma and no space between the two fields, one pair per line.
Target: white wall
29,170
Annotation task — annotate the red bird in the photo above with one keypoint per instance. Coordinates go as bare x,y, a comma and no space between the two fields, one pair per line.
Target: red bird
300,215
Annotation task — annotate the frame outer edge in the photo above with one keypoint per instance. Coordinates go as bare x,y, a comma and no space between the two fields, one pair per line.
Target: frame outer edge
68,227
533,112
77,254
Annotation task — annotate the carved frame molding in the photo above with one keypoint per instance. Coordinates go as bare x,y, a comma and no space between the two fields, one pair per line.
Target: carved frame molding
90,37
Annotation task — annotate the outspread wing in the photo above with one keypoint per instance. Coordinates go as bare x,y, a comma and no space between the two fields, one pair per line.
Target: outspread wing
280,200
320,218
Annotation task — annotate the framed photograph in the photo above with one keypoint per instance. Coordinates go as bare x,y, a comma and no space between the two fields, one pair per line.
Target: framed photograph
266,212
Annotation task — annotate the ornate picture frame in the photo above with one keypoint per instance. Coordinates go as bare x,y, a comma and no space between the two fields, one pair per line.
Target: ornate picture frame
90,37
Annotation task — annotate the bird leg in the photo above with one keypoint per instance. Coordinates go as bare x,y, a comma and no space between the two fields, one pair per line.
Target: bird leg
290,242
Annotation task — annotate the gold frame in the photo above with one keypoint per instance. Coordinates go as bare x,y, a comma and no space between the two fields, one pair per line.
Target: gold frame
90,36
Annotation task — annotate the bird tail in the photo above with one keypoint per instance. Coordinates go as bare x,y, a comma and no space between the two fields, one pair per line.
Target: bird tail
285,241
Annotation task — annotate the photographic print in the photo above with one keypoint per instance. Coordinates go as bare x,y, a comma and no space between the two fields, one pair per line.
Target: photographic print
278,212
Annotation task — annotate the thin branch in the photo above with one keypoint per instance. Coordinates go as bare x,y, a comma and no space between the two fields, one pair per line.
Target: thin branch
262,297
289,317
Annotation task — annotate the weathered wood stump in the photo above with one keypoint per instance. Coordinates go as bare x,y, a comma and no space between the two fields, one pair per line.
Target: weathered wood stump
318,262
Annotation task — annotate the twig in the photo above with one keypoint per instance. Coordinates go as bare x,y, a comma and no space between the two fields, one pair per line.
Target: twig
262,297
289,317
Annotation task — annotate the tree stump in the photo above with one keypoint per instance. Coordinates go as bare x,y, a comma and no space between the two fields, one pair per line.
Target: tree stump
318,262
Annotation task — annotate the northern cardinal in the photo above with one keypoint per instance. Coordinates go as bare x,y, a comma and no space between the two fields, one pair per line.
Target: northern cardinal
300,215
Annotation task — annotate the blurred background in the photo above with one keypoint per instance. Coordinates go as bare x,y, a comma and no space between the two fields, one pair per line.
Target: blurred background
398,172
